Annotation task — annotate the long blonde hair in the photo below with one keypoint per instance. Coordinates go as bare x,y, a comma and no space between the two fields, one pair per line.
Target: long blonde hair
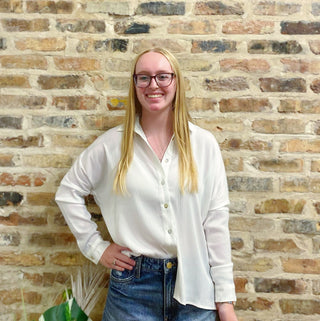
187,167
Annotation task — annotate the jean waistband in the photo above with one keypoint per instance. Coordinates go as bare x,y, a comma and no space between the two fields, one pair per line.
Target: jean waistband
149,264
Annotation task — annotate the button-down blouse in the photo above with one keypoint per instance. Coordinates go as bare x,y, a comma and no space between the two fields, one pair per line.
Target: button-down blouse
154,218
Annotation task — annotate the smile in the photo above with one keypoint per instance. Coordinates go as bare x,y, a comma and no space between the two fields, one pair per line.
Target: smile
154,96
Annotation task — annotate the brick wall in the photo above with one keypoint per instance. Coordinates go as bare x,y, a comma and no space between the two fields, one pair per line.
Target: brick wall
253,76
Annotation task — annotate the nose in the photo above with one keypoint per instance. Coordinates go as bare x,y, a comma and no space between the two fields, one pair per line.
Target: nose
153,83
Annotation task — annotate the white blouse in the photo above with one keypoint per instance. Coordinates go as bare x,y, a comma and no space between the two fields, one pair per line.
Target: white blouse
155,219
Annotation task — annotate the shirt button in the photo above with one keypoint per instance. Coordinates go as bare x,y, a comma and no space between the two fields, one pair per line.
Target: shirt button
163,182
165,205
166,160
170,231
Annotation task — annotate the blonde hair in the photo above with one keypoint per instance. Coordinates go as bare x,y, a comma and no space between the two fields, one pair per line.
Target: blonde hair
187,167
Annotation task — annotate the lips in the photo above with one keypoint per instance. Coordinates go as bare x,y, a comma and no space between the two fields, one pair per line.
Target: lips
154,95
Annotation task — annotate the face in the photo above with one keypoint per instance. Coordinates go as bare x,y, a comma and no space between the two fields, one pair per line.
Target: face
154,98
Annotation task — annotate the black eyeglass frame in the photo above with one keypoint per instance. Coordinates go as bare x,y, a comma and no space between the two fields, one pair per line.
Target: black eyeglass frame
172,74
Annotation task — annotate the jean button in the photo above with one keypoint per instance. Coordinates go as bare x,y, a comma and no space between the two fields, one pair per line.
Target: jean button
169,265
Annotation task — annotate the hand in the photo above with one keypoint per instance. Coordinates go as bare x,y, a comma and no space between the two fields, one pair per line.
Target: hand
226,311
113,258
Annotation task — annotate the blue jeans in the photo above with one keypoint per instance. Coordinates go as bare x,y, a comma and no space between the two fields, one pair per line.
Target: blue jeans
146,293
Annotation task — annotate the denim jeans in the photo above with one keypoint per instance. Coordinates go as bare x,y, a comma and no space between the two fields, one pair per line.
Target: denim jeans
146,293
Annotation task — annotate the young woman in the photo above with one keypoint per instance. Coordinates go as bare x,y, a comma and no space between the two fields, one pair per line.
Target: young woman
160,183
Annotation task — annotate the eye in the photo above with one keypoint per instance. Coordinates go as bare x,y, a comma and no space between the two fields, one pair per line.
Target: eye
163,77
143,78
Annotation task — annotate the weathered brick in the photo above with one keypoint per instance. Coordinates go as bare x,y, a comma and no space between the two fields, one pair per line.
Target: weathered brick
198,103
315,46
46,278
271,245
112,45
251,27
299,185
6,160
161,8
21,141
41,199
300,28
279,165
283,85
54,121
316,246
220,124
10,198
112,8
14,219
3,43
262,264
118,65
7,81
245,105
316,287
60,82
280,286
80,141
8,6
300,106
237,243
117,103
46,161
299,65
249,184
300,146
315,166
24,62
315,86
317,207
192,27
131,28
76,63
41,44
19,25
301,227
247,65
87,26
213,46
250,224
274,47
299,306
258,304
76,102
316,9
10,239
240,285
8,297
234,164
7,179
276,8
67,258
280,206
102,122
47,6
18,259
305,266
226,84
250,144
279,126
51,239
218,8
11,122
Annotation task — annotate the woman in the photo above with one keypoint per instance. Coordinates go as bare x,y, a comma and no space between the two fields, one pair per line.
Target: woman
161,186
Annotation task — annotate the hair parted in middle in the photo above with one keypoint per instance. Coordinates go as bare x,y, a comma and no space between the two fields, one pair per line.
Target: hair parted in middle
187,168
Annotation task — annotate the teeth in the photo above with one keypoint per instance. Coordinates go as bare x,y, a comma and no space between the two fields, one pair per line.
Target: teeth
154,96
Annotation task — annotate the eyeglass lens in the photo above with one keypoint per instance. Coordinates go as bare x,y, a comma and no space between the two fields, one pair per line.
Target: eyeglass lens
162,80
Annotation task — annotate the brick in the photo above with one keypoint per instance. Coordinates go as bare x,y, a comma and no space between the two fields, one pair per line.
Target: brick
237,243
301,227
283,85
102,122
271,245
263,264
7,179
7,81
250,27
41,44
315,46
226,84
249,184
113,83
14,219
21,141
299,185
10,122
18,259
315,166
305,266
47,278
316,246
280,286
316,287
41,199
47,6
219,124
199,103
76,63
246,65
297,306
86,26
10,198
250,144
119,65
161,8
315,86
24,62
131,28
300,145
258,304
240,285
60,82
47,161
19,25
110,45
279,165
116,103
3,43
300,28
300,106
54,121
213,46
218,8
299,65
76,102
174,45
317,207
250,224
6,160
280,206
245,105
276,8
11,6
192,27
195,65
81,141
67,259
274,47
279,126
8,297
316,9
10,239
51,239
112,8
234,164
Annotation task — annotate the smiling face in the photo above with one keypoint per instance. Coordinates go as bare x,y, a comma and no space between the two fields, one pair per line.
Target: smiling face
154,98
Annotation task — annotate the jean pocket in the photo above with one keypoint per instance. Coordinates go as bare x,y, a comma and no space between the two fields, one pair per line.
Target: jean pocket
122,276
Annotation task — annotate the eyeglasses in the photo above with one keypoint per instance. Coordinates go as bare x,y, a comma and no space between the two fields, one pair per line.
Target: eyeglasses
162,80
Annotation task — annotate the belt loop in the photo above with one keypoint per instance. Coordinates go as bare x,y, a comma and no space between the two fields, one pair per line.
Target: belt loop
138,266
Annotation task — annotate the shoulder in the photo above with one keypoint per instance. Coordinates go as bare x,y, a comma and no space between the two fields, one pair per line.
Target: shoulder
202,136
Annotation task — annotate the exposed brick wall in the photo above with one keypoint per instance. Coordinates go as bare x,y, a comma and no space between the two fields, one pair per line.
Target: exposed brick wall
253,76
